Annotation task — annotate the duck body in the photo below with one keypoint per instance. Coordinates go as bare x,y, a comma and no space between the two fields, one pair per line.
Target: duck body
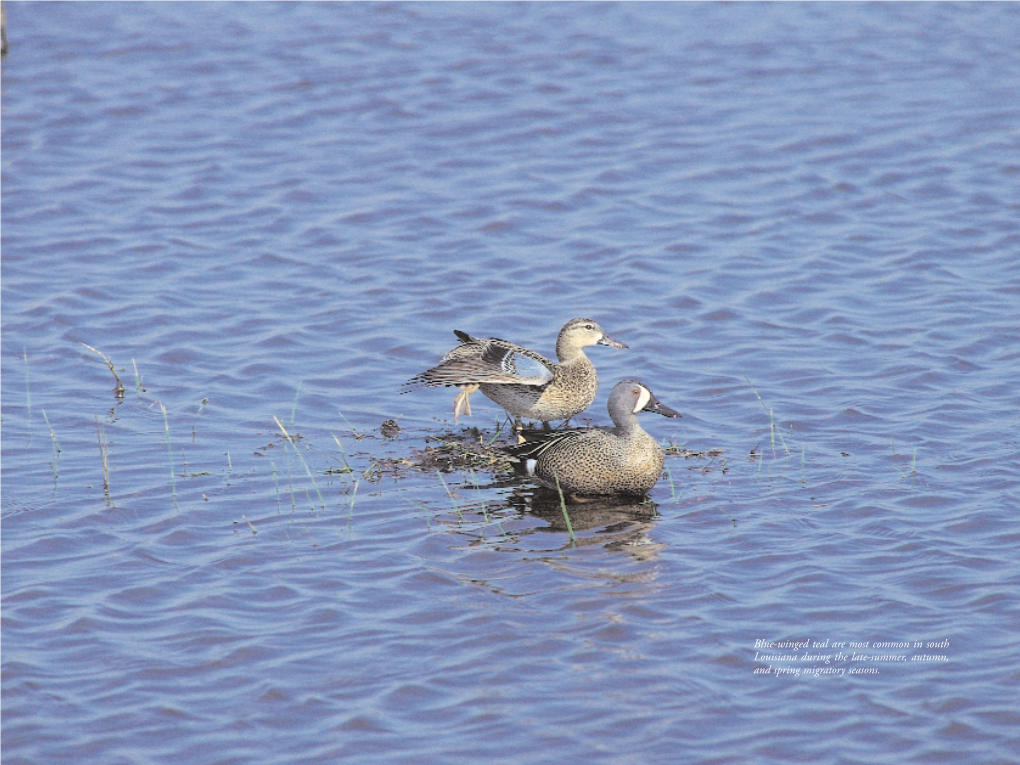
569,391
526,384
623,459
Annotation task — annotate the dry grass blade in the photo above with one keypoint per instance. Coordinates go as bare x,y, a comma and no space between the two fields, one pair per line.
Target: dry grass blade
119,390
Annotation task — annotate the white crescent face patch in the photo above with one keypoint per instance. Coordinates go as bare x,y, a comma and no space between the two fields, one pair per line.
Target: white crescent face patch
643,398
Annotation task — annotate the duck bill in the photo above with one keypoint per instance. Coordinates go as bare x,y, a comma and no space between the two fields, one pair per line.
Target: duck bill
612,342
654,405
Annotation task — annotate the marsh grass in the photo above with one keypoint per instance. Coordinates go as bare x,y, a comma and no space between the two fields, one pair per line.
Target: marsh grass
104,454
293,409
478,490
169,451
468,456
276,483
119,388
761,459
428,512
672,486
28,399
343,455
449,493
498,431
912,473
297,451
290,488
56,449
563,508
350,507
358,436
773,430
138,379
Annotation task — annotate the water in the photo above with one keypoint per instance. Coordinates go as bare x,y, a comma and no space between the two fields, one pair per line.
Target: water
282,211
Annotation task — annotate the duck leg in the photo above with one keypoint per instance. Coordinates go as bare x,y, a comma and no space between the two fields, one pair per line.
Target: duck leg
462,404
519,429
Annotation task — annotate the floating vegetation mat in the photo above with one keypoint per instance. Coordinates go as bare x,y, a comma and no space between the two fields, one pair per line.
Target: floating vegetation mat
463,450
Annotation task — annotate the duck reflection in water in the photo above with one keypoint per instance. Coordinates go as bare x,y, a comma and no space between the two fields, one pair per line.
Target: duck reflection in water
620,524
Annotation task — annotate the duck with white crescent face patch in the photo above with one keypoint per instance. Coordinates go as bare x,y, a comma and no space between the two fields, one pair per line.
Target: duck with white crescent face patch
620,460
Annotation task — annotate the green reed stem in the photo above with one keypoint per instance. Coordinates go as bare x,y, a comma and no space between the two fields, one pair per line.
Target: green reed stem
563,507
138,378
293,409
343,455
350,509
290,485
428,513
772,422
478,488
301,457
56,447
169,451
276,483
450,495
913,467
672,486
28,395
357,435
103,453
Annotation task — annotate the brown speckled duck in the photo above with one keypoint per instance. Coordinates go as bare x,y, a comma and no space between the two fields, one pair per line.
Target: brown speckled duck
619,460
523,382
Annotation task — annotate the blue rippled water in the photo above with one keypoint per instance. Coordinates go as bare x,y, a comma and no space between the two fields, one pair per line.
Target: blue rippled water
804,220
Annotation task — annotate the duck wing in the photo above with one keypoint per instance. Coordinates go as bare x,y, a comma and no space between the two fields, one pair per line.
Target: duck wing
538,442
480,360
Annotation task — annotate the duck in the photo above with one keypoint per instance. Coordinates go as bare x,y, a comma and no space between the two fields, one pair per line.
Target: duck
622,460
526,384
